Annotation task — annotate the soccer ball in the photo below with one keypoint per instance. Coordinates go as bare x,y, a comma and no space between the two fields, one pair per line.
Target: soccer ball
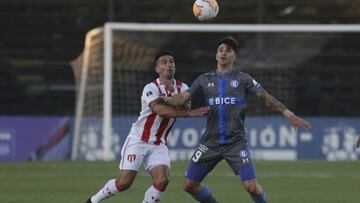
205,10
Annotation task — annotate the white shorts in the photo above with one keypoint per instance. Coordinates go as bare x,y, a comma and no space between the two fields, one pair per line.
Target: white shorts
135,152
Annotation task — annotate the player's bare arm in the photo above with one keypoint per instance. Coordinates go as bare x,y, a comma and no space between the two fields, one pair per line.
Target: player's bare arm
177,100
278,106
358,142
171,112
186,106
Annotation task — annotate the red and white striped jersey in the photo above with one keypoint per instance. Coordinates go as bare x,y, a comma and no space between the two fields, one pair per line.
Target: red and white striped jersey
150,127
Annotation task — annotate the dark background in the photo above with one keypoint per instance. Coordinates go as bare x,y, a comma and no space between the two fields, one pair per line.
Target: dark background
38,38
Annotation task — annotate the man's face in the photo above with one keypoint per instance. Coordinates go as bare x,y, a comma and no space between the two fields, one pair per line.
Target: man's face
165,67
225,55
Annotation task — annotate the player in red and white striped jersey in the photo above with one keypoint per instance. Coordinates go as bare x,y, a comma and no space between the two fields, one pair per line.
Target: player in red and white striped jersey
150,126
146,142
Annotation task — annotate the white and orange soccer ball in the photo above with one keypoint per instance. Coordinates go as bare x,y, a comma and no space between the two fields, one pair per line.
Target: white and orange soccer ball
205,10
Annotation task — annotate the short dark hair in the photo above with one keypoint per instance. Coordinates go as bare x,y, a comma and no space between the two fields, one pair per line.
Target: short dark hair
163,53
230,41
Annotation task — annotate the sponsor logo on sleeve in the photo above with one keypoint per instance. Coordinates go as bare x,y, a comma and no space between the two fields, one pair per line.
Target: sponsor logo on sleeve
149,93
256,84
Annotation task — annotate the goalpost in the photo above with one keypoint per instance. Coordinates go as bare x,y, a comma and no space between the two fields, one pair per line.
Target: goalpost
266,50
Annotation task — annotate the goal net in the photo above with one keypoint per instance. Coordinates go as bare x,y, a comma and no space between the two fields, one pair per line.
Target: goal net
118,61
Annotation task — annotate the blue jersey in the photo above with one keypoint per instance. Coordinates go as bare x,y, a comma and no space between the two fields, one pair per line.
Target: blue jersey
226,94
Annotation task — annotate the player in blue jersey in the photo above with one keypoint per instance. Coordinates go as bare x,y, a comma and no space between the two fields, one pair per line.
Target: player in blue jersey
226,89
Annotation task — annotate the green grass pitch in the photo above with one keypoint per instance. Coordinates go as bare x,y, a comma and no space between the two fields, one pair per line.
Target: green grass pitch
284,182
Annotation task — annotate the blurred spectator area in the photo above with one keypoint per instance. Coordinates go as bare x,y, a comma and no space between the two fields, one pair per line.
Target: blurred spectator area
38,38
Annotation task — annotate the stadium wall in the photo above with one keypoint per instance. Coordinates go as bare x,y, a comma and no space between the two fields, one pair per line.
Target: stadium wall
270,138
35,138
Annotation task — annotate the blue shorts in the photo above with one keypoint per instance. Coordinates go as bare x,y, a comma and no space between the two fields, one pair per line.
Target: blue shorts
205,158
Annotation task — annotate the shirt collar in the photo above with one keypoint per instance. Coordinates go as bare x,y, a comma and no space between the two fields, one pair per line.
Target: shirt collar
226,71
159,82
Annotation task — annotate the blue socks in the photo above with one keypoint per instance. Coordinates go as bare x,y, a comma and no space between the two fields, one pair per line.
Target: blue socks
259,199
205,196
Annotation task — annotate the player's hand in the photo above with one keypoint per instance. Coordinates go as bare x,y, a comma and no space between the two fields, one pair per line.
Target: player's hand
199,111
297,121
358,142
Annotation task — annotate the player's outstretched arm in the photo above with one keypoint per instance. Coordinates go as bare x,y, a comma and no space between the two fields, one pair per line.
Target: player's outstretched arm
278,106
358,142
178,100
166,111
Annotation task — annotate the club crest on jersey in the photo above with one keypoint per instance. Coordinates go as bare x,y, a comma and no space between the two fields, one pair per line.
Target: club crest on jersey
234,83
211,84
